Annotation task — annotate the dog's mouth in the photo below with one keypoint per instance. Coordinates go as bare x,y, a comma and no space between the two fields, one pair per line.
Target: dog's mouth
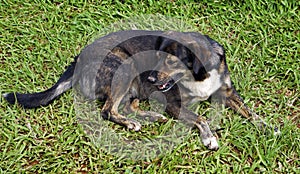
167,84
164,87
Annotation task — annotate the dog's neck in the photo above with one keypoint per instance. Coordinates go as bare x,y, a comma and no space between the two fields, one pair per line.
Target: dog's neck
201,90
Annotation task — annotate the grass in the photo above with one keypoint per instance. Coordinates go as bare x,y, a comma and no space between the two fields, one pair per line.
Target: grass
38,39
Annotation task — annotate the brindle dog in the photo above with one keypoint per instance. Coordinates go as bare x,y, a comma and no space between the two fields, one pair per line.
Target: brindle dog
186,67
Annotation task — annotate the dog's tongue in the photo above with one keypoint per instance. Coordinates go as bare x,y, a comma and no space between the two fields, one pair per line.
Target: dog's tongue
163,86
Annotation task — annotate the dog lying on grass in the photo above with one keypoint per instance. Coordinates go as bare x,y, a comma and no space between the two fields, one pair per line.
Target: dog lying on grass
128,66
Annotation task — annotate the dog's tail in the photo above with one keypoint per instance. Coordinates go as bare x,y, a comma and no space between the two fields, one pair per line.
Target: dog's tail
44,98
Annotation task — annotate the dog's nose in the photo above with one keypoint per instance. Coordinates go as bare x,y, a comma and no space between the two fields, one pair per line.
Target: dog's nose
152,79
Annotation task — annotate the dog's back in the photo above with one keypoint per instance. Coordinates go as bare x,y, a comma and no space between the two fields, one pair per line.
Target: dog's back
122,44
133,41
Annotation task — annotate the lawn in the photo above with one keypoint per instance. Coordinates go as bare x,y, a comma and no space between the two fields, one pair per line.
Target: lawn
39,39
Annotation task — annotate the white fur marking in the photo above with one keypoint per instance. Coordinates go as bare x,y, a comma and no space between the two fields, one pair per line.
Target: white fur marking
62,88
211,143
204,89
227,81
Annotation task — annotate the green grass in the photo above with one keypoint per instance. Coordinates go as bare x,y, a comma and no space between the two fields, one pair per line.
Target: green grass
38,39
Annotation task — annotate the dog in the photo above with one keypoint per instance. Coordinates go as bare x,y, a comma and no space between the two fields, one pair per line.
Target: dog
128,66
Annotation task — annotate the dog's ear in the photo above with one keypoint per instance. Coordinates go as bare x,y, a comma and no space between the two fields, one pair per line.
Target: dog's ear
196,65
218,48
166,45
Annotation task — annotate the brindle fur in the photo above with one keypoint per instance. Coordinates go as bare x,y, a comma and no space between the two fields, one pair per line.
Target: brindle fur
199,54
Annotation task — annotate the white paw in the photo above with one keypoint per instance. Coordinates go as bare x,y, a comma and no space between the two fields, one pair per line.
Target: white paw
211,143
153,116
161,118
134,125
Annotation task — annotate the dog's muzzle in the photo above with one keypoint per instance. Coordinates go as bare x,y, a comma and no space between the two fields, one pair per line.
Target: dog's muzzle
166,84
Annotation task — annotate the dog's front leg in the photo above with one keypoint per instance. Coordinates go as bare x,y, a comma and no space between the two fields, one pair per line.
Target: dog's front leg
189,117
229,96
233,100
208,139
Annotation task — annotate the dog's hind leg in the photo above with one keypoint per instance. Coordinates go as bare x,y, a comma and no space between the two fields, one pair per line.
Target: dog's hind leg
149,115
110,112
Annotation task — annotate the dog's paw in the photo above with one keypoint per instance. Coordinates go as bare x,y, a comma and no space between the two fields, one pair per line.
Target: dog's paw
134,125
162,119
211,143
153,116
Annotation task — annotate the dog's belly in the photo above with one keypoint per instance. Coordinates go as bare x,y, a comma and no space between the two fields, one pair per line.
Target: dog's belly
202,90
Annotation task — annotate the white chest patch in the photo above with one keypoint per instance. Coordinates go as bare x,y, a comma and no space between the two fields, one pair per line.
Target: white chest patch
201,90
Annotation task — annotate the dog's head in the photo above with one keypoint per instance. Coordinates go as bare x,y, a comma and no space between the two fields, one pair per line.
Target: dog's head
189,60
169,70
176,62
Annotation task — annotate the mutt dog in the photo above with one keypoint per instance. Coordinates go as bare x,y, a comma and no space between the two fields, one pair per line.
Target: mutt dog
128,66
